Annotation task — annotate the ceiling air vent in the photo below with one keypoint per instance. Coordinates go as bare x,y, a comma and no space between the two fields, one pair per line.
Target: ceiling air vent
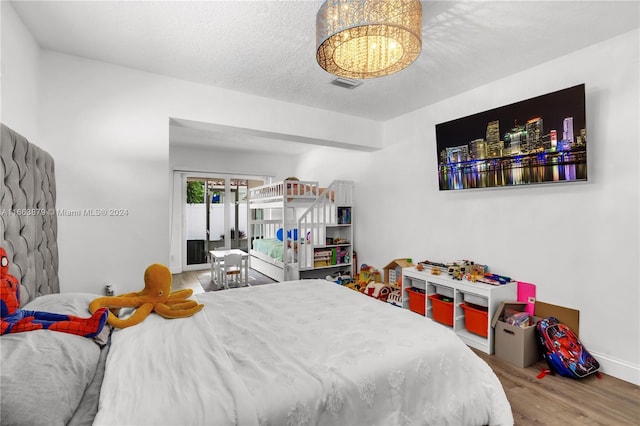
345,83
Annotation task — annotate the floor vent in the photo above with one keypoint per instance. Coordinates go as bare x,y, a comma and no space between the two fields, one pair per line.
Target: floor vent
345,83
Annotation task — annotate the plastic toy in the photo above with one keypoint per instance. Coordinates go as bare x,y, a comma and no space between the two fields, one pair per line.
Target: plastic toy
395,298
368,274
340,278
378,291
434,267
354,286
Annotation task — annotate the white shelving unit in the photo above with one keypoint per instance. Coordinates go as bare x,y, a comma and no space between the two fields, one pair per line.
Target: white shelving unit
326,229
335,252
457,289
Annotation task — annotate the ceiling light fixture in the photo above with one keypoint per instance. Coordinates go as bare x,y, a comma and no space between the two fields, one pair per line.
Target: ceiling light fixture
368,38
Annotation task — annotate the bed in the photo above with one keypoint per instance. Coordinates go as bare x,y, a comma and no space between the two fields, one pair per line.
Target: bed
299,210
293,353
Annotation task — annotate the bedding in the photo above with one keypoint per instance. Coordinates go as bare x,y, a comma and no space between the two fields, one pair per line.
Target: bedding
59,374
272,247
296,353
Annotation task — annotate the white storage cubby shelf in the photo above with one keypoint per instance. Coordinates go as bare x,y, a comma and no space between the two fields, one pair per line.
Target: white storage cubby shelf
326,230
333,250
483,294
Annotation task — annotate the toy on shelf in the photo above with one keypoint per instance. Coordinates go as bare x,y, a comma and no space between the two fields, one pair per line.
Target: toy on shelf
459,268
477,272
465,269
494,279
435,267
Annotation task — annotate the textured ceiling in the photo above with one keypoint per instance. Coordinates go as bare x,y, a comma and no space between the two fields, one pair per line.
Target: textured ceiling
267,48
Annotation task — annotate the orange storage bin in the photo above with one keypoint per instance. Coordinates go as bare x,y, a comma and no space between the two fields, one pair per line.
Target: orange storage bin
476,319
416,301
442,311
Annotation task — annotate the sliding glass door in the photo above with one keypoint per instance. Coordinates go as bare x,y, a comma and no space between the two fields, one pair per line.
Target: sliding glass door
215,215
195,221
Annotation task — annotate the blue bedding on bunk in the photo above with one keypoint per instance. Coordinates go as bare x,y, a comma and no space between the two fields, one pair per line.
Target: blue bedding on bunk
272,247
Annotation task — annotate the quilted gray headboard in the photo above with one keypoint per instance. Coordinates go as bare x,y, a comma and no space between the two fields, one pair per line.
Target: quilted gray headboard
28,218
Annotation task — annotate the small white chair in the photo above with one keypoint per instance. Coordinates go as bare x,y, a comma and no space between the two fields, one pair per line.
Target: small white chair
232,267
217,266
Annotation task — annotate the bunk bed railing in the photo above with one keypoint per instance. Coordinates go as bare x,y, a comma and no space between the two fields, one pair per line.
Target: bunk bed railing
313,223
287,190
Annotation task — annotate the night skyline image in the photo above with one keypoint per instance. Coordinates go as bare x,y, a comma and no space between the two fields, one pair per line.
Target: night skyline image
538,140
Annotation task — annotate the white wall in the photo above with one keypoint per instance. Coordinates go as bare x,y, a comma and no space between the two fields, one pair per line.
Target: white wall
232,161
108,133
108,129
19,70
578,242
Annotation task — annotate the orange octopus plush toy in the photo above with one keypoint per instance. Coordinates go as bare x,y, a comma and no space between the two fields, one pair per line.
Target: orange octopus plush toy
155,297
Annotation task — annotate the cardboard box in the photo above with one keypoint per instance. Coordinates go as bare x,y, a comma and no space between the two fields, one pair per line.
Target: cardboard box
568,316
517,345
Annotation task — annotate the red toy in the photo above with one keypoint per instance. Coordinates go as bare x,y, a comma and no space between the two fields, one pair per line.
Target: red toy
16,320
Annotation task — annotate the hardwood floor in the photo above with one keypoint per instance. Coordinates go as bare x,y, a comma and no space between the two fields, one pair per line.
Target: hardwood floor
552,400
188,279
555,400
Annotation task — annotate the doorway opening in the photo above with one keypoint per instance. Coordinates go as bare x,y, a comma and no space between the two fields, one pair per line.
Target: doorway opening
215,215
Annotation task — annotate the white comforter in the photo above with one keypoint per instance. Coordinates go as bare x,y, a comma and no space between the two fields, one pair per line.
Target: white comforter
298,353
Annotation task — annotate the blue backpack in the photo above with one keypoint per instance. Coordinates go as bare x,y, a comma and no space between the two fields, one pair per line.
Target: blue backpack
563,351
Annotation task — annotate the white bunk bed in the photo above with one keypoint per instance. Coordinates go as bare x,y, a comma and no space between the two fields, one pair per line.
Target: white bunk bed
286,219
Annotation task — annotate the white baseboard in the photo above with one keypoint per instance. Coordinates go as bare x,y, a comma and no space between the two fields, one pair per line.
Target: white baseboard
617,368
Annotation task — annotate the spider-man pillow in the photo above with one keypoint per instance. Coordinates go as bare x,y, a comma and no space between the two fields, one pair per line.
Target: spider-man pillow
47,377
